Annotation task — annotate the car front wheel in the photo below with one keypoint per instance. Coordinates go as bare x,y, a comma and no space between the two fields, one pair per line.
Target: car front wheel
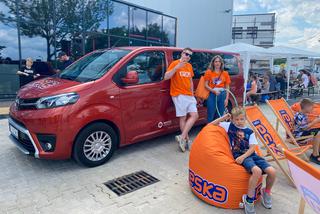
95,145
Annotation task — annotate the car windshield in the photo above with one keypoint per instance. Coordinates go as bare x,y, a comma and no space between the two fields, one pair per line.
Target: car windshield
93,66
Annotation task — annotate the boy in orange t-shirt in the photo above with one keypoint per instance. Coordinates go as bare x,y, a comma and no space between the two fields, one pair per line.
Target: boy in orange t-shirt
180,73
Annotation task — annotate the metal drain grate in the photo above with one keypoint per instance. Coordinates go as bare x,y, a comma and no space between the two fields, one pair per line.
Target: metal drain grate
131,182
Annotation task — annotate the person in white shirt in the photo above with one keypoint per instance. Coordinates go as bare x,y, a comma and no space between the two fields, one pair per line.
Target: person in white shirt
304,78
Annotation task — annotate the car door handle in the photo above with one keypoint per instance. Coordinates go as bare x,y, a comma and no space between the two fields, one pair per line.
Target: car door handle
163,90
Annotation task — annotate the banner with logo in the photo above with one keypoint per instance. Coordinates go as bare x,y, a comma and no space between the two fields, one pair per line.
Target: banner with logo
307,180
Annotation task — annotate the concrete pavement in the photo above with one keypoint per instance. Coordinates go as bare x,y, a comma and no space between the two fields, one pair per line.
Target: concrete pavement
30,185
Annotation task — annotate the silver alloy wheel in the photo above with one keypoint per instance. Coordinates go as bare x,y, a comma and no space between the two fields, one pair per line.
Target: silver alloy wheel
97,146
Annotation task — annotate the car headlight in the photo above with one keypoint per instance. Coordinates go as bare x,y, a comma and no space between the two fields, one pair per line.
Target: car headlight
57,100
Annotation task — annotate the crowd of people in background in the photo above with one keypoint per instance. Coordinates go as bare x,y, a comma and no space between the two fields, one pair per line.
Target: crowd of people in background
259,87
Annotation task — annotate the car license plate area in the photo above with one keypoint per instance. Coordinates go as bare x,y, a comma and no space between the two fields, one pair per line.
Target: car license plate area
14,131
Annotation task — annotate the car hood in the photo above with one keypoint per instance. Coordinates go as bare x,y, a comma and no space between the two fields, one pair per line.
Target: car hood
51,86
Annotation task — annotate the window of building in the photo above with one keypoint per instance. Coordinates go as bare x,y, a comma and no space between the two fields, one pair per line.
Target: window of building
138,22
154,27
169,31
237,32
36,48
96,41
9,61
118,19
149,65
137,42
252,32
116,41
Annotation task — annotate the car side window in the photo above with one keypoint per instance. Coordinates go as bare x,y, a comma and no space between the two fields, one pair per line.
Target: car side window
230,63
150,66
199,61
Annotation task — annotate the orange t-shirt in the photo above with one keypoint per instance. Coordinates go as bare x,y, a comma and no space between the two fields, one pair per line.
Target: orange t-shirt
181,80
215,81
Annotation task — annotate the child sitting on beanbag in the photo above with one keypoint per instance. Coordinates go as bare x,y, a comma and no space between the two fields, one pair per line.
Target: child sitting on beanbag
243,142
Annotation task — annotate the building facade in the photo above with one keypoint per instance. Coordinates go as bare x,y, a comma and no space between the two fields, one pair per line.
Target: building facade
200,23
41,29
254,29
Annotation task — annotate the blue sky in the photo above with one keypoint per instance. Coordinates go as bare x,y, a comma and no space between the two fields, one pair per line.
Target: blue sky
297,21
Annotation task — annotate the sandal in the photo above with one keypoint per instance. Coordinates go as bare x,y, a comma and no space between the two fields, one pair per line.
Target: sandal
315,159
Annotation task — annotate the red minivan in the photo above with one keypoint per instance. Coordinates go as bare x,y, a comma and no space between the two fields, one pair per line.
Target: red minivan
105,100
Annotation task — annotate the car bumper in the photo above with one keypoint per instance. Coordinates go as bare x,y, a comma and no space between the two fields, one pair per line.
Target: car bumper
26,147
32,126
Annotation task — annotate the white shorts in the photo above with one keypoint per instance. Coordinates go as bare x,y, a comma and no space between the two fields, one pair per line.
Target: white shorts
184,104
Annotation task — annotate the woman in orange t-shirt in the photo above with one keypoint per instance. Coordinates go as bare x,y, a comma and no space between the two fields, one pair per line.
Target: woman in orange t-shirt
216,81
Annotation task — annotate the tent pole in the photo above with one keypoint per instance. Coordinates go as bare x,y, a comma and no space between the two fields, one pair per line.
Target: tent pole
271,65
288,76
246,65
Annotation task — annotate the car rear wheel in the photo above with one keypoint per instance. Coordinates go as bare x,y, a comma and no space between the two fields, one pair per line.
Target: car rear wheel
95,145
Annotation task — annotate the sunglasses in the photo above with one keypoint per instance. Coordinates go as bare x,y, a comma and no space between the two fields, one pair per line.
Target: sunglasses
187,54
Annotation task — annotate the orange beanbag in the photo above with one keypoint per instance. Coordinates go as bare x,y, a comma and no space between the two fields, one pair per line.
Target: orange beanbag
313,115
214,176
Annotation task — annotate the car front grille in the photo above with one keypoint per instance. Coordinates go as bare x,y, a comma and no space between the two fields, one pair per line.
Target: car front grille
26,104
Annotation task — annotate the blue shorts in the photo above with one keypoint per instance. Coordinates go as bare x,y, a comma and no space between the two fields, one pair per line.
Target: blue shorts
253,160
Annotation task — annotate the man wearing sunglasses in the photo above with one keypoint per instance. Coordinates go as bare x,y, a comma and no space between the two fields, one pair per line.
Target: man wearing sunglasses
180,73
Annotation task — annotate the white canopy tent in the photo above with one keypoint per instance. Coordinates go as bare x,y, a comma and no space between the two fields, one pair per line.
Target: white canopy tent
283,51
247,52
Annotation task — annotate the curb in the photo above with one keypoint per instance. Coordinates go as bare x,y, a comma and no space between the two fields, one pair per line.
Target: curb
4,116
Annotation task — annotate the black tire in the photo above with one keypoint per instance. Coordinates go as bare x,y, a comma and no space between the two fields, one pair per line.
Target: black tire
86,136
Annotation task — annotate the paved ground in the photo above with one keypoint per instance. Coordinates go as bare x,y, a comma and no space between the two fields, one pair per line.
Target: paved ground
30,185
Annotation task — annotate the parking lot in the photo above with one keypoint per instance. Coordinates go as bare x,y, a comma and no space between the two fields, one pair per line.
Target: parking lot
30,185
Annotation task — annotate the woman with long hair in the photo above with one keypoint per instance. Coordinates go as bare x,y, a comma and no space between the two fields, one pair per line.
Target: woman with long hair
217,82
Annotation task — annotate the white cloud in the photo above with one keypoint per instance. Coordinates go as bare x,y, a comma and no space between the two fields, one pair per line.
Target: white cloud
267,4
297,22
241,5
309,40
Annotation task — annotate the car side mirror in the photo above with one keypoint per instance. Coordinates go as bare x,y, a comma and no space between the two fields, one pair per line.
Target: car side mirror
131,78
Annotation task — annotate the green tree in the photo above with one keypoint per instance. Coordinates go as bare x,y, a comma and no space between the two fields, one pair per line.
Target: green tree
56,20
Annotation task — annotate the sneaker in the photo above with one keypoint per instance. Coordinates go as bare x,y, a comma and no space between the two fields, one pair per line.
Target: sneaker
182,143
248,207
188,144
266,199
314,159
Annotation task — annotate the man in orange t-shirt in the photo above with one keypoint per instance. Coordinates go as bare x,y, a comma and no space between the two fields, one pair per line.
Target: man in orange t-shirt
180,73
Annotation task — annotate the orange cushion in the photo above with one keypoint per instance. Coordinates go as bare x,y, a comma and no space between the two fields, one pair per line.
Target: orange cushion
214,176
